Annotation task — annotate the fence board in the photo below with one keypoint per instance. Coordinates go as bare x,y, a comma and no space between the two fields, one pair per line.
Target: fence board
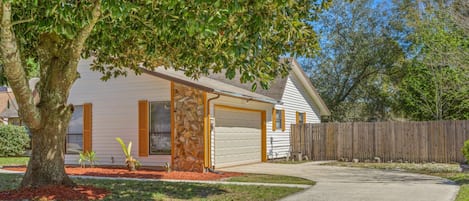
432,141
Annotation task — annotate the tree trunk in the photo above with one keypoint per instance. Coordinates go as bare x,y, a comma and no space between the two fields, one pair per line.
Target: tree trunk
46,166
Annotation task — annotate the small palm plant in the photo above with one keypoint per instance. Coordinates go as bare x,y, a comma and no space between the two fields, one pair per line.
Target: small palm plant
131,162
87,157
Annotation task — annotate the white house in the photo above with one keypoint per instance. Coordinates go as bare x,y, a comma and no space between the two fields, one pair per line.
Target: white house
192,124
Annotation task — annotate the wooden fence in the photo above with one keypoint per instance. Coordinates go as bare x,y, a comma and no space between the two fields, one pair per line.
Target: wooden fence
432,141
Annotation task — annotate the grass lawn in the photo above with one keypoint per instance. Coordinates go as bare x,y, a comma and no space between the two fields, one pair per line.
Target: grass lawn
4,161
448,171
264,178
139,190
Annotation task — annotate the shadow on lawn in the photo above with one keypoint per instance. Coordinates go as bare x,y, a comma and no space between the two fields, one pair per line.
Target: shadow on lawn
137,190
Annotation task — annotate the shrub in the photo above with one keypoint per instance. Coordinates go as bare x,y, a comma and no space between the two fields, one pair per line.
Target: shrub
87,157
465,150
13,140
130,161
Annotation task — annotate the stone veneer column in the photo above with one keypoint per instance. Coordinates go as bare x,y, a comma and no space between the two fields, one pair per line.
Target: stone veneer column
188,128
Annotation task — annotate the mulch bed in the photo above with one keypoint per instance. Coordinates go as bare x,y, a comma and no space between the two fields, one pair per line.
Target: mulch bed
55,193
92,193
141,173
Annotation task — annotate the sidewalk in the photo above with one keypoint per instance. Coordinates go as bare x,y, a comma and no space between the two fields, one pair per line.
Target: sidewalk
178,181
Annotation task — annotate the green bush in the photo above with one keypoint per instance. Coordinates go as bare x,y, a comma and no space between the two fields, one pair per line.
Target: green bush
13,140
465,150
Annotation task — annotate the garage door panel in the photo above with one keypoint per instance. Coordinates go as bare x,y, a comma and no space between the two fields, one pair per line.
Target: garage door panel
234,158
237,137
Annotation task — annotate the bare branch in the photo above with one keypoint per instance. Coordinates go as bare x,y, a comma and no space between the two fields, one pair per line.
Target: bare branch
22,21
14,70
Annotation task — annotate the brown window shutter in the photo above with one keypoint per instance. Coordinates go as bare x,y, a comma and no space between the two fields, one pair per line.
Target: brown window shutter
283,120
274,116
87,127
143,128
297,117
304,117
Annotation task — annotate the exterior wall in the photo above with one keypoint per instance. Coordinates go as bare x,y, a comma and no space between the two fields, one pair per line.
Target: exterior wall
233,102
188,146
295,99
115,112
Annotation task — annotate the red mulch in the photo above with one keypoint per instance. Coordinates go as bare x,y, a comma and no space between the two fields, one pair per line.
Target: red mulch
141,173
55,193
91,193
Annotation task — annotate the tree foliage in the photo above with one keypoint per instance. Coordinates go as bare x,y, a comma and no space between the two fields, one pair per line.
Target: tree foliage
199,37
357,59
436,84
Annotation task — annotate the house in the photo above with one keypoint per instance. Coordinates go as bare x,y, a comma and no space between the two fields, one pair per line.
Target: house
191,124
8,107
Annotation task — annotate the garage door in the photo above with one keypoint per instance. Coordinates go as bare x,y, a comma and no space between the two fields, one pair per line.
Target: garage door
237,137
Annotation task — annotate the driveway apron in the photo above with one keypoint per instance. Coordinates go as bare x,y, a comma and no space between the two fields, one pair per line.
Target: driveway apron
358,184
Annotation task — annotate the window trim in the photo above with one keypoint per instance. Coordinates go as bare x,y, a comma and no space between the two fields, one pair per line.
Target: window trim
298,117
274,119
82,133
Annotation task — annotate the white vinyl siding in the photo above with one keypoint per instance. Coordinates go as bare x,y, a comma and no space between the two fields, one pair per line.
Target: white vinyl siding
115,111
295,99
237,137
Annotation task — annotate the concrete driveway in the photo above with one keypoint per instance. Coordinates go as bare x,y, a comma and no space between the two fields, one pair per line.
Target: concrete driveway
357,184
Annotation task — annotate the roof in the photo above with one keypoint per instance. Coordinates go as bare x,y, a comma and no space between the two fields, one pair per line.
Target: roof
278,85
209,85
9,113
219,84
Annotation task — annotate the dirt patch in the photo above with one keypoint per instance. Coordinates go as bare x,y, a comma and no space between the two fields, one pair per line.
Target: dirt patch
55,193
141,173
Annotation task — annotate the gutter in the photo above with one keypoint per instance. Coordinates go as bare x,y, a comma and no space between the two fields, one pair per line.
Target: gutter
209,136
237,95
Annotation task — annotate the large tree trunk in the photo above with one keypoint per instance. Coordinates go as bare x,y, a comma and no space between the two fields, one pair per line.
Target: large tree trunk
48,120
46,165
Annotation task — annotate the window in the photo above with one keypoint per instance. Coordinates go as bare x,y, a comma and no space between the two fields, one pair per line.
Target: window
160,128
300,117
278,119
74,139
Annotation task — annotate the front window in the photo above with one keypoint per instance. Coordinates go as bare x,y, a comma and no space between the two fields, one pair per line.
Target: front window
74,139
278,119
301,118
160,128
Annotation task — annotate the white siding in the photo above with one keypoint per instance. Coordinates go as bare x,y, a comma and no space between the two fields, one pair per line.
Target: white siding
115,111
295,99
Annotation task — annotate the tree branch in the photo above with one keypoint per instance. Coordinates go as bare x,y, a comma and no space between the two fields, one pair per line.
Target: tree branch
78,43
22,21
14,71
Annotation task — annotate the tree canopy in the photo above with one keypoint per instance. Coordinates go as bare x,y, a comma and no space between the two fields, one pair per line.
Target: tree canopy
199,37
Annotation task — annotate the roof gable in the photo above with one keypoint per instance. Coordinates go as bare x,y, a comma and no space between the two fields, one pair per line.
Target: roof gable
277,87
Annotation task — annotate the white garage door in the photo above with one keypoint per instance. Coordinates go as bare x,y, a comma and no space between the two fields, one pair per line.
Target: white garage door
237,137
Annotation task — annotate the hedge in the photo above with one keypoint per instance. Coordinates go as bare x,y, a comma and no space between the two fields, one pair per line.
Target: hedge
13,140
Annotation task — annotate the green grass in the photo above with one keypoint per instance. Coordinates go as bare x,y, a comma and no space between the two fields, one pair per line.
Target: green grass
264,178
142,190
448,171
4,161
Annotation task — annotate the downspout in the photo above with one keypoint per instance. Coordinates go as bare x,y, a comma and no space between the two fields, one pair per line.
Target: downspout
212,168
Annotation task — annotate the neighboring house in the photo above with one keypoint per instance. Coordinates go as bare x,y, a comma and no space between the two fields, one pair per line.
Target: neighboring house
191,124
8,107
